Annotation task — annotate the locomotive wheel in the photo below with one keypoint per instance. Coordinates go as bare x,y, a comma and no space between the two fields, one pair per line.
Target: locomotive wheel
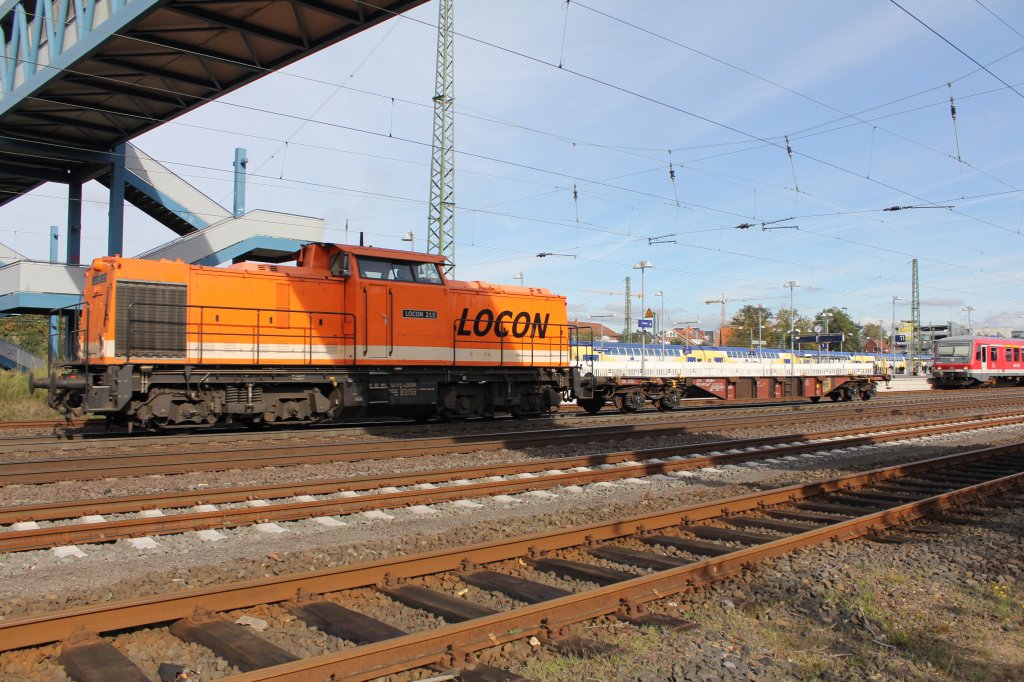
591,405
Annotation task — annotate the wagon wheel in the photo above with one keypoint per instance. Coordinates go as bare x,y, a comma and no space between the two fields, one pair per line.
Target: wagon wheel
628,402
591,405
833,397
667,402
816,398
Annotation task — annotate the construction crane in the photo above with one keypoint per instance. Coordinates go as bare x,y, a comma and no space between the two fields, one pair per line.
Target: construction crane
628,298
724,298
441,218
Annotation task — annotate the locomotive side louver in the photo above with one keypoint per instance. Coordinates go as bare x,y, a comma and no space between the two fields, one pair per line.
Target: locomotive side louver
151,319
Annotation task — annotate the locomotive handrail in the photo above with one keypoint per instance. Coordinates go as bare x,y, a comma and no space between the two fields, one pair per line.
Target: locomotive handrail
73,313
255,332
552,344
391,321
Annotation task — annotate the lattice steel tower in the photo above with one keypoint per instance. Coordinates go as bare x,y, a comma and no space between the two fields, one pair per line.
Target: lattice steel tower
441,220
915,314
629,311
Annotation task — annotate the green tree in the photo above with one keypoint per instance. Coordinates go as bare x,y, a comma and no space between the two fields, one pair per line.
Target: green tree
871,331
745,322
837,321
31,332
780,337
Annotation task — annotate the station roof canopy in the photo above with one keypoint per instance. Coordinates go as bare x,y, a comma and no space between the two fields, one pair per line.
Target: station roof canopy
78,86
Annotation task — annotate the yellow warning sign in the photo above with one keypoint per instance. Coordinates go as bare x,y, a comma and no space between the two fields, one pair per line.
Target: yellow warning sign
649,313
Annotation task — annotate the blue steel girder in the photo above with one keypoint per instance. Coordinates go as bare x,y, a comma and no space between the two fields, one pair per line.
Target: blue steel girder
92,74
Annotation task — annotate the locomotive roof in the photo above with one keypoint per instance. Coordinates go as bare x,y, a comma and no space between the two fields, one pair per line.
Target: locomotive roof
397,254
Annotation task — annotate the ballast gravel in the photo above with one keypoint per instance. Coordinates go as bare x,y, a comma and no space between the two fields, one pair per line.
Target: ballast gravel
36,582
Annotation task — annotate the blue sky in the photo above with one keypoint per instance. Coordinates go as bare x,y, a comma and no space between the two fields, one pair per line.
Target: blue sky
860,88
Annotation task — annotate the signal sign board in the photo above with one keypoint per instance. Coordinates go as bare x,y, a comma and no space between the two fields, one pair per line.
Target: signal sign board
649,314
645,324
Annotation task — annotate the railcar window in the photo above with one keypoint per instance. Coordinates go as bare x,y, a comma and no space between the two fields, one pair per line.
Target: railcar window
1009,355
1016,354
954,352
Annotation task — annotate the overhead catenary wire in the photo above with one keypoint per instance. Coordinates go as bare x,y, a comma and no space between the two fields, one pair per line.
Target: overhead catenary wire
951,44
670,106
956,135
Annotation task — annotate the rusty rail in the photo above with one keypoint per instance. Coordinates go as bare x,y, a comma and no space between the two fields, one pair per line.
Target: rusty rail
139,463
379,659
42,538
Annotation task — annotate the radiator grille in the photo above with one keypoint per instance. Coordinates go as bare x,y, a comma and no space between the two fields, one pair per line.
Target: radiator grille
158,317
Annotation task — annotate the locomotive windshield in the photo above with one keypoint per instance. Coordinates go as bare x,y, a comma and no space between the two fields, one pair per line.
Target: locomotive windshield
953,351
398,270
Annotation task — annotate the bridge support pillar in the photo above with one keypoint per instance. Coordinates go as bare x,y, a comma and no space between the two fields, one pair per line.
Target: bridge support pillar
74,223
54,319
115,229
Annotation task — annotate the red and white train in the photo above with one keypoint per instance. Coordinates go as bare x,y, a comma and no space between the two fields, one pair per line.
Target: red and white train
977,361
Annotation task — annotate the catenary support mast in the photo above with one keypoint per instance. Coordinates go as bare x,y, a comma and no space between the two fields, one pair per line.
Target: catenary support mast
915,314
441,220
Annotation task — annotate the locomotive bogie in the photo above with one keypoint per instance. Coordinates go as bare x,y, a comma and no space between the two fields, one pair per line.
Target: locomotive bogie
171,398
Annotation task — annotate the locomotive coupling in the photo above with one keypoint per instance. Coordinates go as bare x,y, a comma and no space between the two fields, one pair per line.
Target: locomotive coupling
52,382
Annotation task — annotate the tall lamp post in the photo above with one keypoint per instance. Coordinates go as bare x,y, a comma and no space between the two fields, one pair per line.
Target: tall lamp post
642,267
968,310
892,337
687,324
410,237
661,316
828,348
519,276
791,284
760,327
597,317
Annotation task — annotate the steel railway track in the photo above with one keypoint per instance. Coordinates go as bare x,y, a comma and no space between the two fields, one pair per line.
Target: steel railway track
655,555
457,484
74,439
141,462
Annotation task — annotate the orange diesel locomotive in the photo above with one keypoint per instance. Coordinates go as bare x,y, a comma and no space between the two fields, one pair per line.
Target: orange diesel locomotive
346,332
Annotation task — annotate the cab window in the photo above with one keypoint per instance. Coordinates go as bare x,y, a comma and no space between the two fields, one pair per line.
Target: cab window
427,272
398,270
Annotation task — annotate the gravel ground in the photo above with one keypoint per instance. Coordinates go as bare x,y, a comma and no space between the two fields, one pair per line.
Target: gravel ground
35,582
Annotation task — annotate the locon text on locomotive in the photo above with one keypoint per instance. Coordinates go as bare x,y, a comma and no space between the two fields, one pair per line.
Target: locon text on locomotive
486,321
